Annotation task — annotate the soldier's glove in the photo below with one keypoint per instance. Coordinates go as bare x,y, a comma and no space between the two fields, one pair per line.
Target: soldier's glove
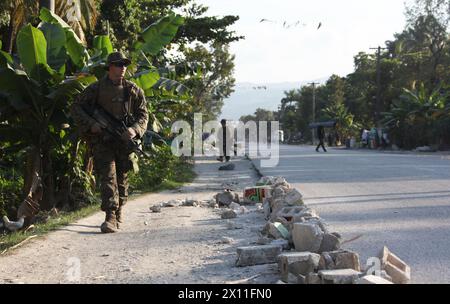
128,134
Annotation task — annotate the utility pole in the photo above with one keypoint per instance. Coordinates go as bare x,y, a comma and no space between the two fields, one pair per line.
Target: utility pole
378,101
314,108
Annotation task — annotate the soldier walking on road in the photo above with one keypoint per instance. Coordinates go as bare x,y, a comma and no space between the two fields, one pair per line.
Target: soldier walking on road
112,159
321,135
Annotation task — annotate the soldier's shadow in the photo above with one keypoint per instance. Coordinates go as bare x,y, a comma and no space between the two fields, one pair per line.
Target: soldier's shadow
69,228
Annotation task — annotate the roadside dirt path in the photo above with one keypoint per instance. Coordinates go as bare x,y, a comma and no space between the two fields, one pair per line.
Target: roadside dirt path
179,245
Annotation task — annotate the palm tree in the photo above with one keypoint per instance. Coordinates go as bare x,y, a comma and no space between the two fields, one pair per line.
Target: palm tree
19,13
81,15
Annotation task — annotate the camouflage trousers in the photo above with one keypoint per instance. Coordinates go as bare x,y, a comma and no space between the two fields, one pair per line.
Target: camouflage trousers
111,163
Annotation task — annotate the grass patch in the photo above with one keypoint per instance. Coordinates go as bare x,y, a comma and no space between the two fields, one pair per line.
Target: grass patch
63,219
182,173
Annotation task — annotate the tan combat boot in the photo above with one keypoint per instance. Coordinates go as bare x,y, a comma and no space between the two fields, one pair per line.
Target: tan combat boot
119,217
110,223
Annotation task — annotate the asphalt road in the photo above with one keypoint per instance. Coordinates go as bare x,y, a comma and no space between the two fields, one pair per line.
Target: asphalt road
401,200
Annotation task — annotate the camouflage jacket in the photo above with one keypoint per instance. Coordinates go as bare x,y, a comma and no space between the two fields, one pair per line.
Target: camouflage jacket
137,107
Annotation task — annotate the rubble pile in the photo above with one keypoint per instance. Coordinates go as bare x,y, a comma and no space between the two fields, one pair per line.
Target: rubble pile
300,242
295,237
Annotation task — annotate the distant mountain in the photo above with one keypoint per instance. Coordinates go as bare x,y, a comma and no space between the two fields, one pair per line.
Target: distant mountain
250,96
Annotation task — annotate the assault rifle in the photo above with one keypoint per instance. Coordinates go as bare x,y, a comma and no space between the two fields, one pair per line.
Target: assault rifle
115,128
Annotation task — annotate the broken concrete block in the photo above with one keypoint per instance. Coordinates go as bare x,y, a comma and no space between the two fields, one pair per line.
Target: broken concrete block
271,230
267,209
173,203
257,255
155,208
326,262
234,206
295,279
243,210
371,279
289,213
341,259
313,279
307,237
294,198
190,203
283,243
329,243
298,263
265,180
224,198
339,276
398,270
237,200
385,276
347,259
278,192
283,231
228,214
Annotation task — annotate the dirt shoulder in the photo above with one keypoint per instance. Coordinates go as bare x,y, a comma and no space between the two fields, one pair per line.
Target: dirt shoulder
179,245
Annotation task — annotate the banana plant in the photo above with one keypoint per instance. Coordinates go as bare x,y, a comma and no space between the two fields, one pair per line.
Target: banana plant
33,112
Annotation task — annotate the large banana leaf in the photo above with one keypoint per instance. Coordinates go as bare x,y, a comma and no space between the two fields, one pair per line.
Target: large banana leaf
146,79
5,58
56,40
32,48
103,43
13,86
70,88
171,86
159,34
75,48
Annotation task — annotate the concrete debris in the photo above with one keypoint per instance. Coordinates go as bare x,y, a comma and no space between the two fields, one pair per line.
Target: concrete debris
234,206
371,279
313,279
294,198
257,255
272,231
243,210
398,270
173,203
228,214
224,198
155,208
339,276
330,242
237,199
267,210
283,243
341,259
297,263
307,237
190,203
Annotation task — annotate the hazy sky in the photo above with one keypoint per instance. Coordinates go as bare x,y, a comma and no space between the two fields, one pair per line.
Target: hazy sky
274,53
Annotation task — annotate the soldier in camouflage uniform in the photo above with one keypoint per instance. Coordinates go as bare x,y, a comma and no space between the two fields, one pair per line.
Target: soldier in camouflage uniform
125,101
